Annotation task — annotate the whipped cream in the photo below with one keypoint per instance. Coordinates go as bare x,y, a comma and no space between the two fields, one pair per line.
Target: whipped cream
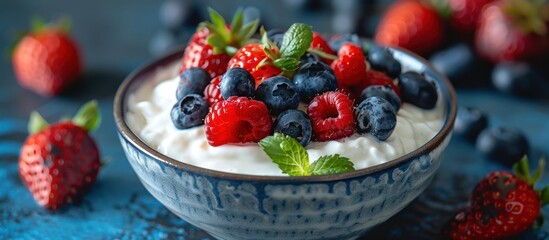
149,117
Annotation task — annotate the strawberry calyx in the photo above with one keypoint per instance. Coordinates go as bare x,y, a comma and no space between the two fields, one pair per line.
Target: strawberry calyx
88,117
226,39
522,171
528,16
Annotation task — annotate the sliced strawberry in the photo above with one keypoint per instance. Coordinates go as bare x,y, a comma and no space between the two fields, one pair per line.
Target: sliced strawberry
237,120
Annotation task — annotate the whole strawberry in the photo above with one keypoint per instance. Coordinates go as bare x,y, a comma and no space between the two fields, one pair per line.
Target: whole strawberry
465,14
59,162
213,44
502,205
47,59
266,60
511,30
412,25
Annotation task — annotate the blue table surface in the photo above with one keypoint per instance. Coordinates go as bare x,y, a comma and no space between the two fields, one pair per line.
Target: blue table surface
119,207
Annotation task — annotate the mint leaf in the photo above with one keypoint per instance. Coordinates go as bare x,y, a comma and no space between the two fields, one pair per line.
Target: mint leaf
287,153
287,64
331,164
88,117
296,40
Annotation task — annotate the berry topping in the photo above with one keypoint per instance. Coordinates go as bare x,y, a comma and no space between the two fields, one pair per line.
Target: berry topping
192,81
313,79
319,43
470,122
212,93
237,82
503,144
237,120
382,91
417,90
278,93
296,124
331,116
350,66
382,60
376,116
374,78
249,57
189,111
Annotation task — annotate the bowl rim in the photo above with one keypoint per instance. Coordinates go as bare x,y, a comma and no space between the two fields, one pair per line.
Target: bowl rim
119,109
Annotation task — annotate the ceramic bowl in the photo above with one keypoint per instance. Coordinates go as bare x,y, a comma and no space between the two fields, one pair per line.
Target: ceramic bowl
235,206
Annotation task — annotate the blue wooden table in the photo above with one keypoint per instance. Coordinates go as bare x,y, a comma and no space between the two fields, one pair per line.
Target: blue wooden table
118,207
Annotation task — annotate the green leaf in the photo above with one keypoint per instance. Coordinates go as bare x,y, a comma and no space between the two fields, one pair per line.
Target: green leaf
539,170
88,117
287,64
248,30
331,164
37,24
216,41
287,153
544,195
219,25
36,123
296,40
522,170
238,20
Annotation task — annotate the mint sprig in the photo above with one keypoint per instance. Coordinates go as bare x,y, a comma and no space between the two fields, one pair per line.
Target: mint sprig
293,159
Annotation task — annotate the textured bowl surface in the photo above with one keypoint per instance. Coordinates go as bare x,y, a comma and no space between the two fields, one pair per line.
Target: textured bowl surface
233,206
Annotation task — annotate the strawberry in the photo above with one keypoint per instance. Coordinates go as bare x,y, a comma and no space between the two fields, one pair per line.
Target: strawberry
47,59
212,93
502,205
511,30
266,59
350,65
465,14
320,44
372,77
331,116
412,25
237,120
213,44
59,162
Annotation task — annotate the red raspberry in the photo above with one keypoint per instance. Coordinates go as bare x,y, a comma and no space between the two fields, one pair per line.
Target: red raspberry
237,120
332,116
212,93
350,65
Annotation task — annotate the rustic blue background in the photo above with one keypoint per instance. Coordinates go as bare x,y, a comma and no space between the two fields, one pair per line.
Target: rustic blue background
114,37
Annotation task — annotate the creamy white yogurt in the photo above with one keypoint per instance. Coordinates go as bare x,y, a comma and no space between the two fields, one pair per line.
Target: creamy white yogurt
149,117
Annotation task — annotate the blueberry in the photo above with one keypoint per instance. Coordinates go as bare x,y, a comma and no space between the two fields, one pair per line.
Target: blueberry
385,92
382,60
192,81
376,116
503,144
417,90
314,78
308,58
470,122
276,36
517,78
189,111
237,82
296,124
454,61
278,93
337,41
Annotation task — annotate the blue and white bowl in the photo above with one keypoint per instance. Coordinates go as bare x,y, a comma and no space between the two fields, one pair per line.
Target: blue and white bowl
236,206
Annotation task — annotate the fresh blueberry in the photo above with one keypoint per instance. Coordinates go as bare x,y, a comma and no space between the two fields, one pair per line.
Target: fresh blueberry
237,82
503,144
192,81
296,124
337,41
189,111
382,91
417,90
314,78
308,58
376,116
518,78
470,122
276,36
382,60
454,61
278,93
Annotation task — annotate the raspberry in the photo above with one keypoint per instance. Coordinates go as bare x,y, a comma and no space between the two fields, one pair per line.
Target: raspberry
237,120
212,93
331,116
